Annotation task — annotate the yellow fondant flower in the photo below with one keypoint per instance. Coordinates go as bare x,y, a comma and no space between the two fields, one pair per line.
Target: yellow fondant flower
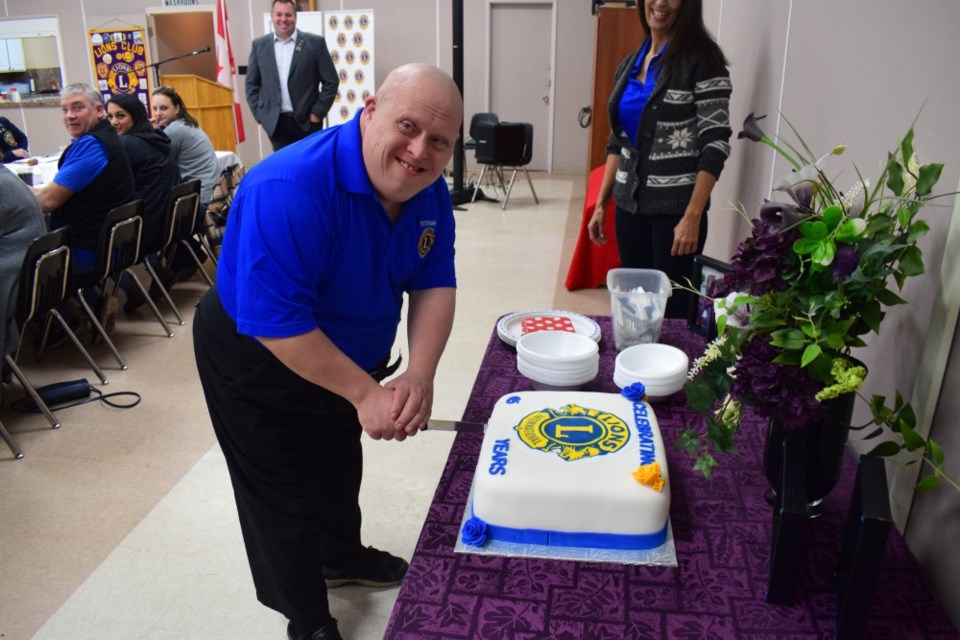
649,475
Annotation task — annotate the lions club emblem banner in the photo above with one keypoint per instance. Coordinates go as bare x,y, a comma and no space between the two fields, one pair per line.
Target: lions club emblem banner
120,62
349,35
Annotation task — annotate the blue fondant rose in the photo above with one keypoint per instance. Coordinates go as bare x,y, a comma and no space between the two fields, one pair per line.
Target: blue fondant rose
474,532
634,392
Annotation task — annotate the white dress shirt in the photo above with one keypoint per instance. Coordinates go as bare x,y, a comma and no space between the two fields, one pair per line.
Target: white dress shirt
283,51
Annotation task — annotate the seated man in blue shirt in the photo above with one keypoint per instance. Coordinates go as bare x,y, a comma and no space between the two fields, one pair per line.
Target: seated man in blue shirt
13,142
323,240
94,176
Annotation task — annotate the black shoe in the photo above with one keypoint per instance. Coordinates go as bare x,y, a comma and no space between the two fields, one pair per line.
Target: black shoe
135,300
185,273
109,305
372,568
328,631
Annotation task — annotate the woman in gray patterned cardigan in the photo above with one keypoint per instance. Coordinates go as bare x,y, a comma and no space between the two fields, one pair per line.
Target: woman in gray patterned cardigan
670,121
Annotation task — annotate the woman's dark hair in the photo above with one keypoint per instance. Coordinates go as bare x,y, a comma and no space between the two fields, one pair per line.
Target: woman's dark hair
177,101
138,112
690,36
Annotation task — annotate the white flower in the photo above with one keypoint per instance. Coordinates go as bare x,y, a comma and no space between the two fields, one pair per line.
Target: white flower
855,198
736,316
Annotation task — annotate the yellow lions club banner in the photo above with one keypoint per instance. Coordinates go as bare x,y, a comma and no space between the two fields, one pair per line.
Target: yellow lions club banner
120,62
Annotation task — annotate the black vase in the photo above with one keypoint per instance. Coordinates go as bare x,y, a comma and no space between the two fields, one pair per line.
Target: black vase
825,444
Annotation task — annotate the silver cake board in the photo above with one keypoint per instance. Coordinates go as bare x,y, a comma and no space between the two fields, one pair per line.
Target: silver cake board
665,555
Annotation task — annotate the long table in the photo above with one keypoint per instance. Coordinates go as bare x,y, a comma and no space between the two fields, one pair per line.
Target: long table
46,168
721,529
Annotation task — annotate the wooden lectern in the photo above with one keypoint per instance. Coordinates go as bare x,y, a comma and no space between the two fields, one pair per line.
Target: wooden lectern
211,104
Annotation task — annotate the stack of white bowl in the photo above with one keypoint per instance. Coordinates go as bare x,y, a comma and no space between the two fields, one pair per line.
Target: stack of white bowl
661,368
557,360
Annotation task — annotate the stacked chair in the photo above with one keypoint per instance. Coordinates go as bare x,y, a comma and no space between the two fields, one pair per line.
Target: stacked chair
504,145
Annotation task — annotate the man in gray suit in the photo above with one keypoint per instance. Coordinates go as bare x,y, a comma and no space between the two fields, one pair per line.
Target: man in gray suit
291,81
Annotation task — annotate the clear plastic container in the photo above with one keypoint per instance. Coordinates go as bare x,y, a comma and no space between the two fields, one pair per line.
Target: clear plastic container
638,300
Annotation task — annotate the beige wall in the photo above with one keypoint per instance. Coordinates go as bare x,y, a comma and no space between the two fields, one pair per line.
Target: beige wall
855,72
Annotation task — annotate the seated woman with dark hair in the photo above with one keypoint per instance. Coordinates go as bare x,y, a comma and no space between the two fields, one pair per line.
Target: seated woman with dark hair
155,172
196,158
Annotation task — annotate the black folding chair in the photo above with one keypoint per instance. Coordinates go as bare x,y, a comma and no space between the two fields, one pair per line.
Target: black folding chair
118,250
44,284
501,145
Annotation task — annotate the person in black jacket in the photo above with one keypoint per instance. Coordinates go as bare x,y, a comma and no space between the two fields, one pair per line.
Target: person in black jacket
291,79
155,172
670,121
13,142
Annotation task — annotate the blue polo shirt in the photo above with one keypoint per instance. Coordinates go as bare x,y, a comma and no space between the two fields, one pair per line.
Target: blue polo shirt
308,245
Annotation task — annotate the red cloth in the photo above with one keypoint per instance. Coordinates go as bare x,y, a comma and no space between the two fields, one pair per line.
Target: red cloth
590,262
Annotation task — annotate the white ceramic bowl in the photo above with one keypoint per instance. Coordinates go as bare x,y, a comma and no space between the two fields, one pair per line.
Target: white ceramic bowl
588,372
554,347
661,368
557,379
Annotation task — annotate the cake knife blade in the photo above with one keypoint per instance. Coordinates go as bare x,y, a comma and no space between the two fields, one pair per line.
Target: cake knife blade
455,425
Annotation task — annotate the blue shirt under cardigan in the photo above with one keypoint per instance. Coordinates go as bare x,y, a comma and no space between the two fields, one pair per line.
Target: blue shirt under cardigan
637,92
308,245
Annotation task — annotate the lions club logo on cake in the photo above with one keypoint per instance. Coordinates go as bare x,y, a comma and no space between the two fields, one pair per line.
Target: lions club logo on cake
573,432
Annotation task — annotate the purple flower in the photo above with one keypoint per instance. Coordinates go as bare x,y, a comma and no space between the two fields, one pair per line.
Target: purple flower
751,128
783,392
634,392
759,262
780,215
474,532
845,262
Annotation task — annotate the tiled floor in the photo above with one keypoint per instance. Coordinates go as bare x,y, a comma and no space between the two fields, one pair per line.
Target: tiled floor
121,524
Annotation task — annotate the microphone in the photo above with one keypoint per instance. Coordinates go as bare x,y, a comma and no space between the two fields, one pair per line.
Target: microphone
199,51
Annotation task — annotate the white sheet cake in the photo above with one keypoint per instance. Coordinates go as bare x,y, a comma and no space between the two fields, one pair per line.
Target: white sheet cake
572,469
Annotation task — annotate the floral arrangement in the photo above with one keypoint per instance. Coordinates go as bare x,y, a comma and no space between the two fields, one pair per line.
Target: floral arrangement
813,278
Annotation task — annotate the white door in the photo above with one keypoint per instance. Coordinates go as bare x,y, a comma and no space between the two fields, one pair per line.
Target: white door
520,54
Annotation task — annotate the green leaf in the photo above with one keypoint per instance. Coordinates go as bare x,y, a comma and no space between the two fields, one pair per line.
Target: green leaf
911,261
917,230
872,314
689,441
787,339
810,354
704,464
700,397
911,439
906,146
885,449
929,174
850,230
803,246
907,416
935,451
824,254
927,483
904,216
816,230
894,176
889,298
832,216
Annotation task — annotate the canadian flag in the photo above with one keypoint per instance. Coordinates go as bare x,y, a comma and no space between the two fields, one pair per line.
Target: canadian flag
226,67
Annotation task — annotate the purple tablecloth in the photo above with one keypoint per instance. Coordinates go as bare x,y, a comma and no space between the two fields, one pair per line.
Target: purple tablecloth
721,529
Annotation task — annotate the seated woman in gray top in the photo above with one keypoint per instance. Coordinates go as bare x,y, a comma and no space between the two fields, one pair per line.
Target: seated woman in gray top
195,156
191,148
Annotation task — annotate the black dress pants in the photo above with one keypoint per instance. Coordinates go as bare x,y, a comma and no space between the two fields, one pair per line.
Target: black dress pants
288,131
295,460
644,242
